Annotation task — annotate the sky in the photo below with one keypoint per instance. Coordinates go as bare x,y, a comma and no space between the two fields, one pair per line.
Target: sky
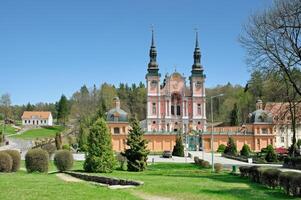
50,48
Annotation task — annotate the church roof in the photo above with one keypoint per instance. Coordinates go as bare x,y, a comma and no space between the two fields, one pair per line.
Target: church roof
261,117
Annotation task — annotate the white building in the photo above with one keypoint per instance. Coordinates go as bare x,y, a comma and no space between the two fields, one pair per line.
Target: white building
37,118
282,123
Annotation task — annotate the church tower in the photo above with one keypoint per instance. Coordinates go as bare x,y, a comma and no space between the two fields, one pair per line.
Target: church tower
153,90
197,88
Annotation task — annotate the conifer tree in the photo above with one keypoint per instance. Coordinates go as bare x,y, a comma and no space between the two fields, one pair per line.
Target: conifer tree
63,110
137,152
231,147
178,149
99,155
234,116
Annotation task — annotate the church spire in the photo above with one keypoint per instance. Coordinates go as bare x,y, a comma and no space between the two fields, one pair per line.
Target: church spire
152,65
197,67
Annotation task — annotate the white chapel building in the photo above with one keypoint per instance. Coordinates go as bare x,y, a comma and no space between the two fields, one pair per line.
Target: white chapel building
37,118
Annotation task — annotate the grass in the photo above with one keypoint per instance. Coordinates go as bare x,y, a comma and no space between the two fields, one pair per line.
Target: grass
9,130
44,132
176,181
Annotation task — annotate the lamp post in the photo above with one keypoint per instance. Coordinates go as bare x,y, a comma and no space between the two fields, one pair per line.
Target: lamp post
212,150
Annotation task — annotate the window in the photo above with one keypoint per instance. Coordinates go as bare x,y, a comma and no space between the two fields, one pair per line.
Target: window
258,141
271,141
199,109
28,121
25,121
116,130
199,122
45,121
178,110
172,110
154,122
264,131
154,109
282,139
123,129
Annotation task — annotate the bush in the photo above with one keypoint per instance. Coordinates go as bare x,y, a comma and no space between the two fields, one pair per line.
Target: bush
292,162
66,147
221,148
36,160
271,156
178,149
122,162
205,164
218,167
255,173
49,148
244,171
270,177
245,151
285,181
296,184
196,160
16,158
6,162
231,147
63,160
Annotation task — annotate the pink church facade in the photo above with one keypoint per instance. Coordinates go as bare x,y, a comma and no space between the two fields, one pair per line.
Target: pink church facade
176,104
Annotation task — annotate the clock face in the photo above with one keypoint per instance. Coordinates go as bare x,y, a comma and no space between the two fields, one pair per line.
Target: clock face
198,84
153,83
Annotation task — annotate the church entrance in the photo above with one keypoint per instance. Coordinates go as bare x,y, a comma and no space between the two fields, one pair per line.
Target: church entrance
193,142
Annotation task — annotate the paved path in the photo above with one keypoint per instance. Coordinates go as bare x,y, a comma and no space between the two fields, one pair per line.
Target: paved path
225,161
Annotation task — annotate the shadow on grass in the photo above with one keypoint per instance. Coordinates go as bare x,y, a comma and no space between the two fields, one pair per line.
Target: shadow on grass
250,193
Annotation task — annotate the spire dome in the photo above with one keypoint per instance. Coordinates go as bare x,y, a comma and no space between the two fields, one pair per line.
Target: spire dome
197,67
152,65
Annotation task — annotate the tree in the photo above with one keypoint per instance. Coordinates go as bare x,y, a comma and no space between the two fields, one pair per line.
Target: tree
99,155
245,151
272,40
234,116
137,152
178,149
231,147
271,155
63,110
5,105
58,141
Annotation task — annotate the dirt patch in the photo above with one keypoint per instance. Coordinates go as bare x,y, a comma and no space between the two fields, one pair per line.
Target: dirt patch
145,196
68,178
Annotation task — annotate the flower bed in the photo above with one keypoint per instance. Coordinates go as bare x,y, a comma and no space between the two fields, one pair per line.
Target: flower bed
104,180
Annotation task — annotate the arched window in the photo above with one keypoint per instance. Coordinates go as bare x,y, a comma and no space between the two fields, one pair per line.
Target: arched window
154,110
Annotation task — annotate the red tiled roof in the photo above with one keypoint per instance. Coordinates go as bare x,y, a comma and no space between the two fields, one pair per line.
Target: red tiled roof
36,114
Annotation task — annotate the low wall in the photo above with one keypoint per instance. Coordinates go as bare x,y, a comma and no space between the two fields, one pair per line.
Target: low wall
155,142
103,180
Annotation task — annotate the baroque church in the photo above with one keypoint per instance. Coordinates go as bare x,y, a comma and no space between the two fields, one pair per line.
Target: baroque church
173,106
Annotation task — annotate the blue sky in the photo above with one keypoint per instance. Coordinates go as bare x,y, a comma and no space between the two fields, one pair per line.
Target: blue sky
49,48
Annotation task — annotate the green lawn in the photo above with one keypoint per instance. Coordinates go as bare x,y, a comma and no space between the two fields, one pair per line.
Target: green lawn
8,129
46,132
176,181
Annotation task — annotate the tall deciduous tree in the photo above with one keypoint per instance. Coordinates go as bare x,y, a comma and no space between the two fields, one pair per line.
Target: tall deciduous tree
99,154
63,110
137,152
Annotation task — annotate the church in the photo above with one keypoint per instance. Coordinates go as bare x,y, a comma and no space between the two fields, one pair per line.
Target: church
173,106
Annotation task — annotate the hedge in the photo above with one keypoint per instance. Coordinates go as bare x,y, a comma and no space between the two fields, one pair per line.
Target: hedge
63,160
290,182
16,159
6,162
36,160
